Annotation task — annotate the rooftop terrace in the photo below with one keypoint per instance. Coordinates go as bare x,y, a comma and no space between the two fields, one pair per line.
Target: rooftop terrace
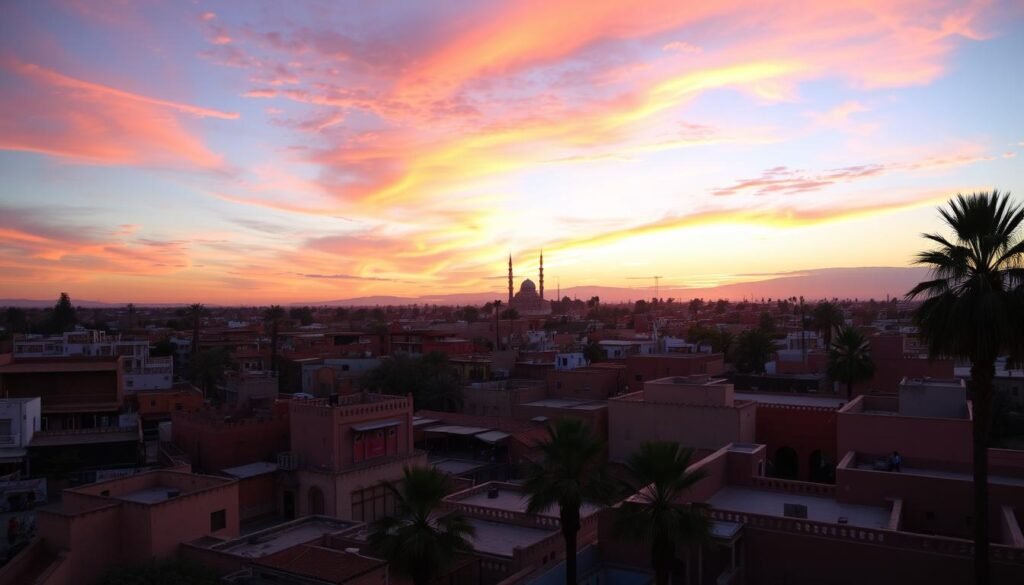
499,538
282,536
819,509
791,399
509,498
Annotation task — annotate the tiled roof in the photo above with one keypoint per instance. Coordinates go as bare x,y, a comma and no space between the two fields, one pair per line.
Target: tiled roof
326,564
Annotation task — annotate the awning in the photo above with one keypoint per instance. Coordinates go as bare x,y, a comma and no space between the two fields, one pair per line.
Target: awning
539,419
381,424
456,430
419,421
493,436
725,530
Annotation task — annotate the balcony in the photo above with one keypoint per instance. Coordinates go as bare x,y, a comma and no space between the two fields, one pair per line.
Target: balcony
10,440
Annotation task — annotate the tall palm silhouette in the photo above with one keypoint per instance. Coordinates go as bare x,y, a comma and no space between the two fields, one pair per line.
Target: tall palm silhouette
827,318
572,472
273,315
973,307
849,359
497,325
659,476
419,540
195,313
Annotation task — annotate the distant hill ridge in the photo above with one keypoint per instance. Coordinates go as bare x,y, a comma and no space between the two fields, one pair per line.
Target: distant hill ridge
857,282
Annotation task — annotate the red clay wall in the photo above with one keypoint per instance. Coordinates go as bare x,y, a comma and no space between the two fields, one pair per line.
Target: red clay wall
644,368
804,429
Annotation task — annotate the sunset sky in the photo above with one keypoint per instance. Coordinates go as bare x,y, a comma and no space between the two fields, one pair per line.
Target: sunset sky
305,151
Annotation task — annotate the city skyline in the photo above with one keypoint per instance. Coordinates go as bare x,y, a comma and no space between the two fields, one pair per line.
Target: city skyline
257,154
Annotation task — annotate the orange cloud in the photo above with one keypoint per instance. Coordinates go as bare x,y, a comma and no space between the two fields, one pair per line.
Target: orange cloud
57,115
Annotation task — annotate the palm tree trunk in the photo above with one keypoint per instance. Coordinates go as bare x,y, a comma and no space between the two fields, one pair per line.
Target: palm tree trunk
273,348
570,555
570,519
663,556
982,372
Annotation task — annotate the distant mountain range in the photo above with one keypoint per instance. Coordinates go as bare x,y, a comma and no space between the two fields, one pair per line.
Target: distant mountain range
862,283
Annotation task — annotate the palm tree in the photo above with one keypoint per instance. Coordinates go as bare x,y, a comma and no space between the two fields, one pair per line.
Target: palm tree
273,315
419,541
849,359
572,471
753,348
827,318
497,325
195,313
660,477
972,308
131,316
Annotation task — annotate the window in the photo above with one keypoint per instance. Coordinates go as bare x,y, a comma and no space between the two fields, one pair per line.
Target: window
639,378
177,406
218,520
372,503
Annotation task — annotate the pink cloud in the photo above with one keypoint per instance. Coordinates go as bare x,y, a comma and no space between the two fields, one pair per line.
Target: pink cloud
57,115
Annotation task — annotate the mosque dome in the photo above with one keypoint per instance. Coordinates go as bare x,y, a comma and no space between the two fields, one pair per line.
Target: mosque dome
528,286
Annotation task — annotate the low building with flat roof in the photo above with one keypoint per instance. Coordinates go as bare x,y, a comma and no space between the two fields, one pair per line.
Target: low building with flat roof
126,521
508,539
696,411
771,530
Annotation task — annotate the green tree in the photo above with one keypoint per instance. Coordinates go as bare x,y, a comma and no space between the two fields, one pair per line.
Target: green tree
767,323
15,320
849,359
572,472
753,348
273,315
470,314
721,306
593,352
420,540
695,306
430,379
64,317
659,476
162,348
303,315
207,368
827,318
973,308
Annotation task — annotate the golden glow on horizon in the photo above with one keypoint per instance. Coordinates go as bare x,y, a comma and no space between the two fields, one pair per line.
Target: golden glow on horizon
247,155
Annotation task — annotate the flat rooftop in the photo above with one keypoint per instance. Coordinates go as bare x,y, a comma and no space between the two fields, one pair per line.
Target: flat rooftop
791,399
513,500
282,537
251,469
819,509
940,474
569,403
500,539
456,466
150,495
